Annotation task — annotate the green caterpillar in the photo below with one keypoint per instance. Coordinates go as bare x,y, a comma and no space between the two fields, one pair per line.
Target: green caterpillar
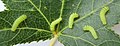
91,29
54,23
18,21
71,19
102,14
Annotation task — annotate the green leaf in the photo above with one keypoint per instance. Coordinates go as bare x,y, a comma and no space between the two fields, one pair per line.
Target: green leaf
89,15
42,12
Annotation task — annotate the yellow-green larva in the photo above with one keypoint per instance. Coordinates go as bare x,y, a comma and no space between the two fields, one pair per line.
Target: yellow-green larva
54,23
71,19
90,29
18,21
102,14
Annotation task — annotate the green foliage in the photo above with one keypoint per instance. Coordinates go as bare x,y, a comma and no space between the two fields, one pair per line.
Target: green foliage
42,12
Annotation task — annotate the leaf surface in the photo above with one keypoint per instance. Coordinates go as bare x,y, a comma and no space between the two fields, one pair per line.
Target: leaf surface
42,12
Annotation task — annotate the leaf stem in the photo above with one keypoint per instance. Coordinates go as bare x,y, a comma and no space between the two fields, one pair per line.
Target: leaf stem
61,11
53,40
27,28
